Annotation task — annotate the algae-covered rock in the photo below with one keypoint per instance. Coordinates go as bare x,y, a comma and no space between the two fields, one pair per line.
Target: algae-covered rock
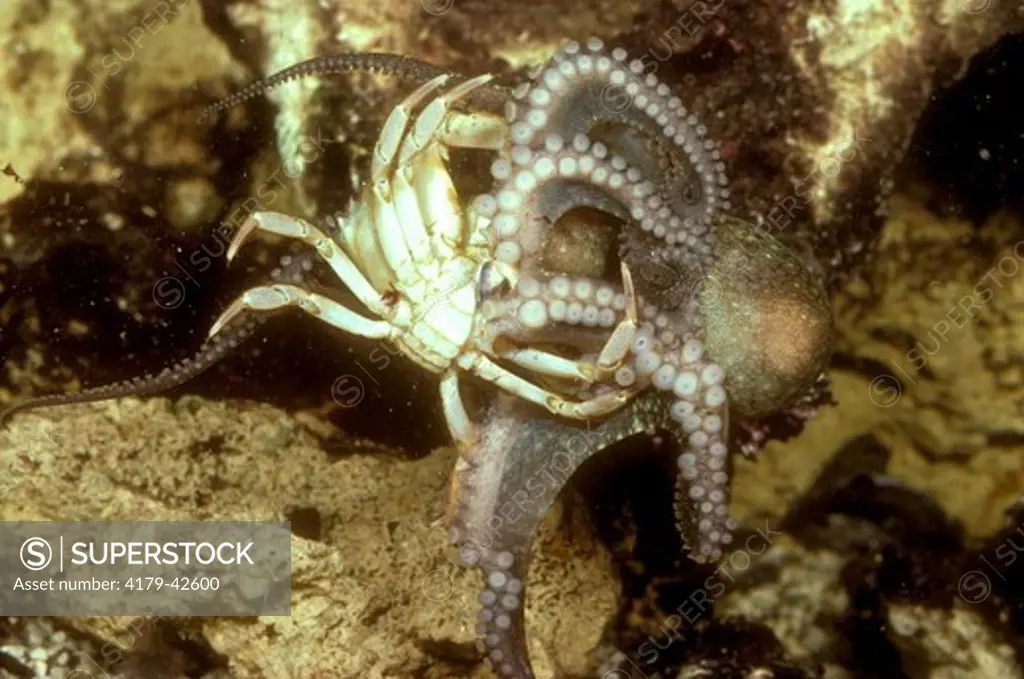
374,587
938,388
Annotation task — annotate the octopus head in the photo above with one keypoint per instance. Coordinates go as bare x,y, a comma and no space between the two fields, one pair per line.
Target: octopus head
767,319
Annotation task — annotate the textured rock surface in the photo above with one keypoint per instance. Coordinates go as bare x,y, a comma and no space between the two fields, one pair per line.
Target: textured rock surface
803,600
73,71
374,591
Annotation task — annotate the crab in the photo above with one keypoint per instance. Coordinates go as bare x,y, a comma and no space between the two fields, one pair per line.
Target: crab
424,266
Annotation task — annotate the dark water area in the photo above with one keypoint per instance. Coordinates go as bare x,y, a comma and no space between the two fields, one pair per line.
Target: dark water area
969,140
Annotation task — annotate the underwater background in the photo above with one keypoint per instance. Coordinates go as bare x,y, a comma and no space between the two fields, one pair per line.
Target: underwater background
894,520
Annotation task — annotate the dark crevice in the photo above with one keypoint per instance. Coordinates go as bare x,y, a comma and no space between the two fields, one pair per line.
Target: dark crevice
970,140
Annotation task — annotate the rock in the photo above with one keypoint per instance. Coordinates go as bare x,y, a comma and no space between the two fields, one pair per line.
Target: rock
806,603
57,105
374,588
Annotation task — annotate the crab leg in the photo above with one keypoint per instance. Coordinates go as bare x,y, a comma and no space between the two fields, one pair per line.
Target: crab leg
612,357
547,363
399,221
441,215
394,129
271,297
598,406
300,229
358,237
459,423
613,354
401,233
413,215
480,130
425,129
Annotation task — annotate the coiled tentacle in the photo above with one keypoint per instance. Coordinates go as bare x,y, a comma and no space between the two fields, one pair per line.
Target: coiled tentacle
539,186
585,91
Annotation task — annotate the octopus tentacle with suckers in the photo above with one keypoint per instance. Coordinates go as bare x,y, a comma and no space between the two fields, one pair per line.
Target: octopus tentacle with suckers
503,486
738,318
766,321
502,489
745,296
734,325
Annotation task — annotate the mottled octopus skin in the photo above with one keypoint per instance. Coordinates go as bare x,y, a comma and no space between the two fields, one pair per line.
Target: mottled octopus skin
522,461
708,321
768,321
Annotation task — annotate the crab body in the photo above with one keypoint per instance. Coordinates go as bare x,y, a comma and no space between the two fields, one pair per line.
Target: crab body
423,265
409,237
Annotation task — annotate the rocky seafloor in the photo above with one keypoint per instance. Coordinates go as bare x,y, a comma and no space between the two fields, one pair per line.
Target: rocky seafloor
881,542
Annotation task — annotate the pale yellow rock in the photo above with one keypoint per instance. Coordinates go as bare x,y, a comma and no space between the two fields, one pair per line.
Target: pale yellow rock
376,594
60,60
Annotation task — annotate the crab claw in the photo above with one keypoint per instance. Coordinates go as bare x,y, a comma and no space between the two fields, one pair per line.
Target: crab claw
264,298
248,227
615,349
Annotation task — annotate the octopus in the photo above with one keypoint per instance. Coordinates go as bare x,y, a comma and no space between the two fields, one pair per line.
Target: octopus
735,328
